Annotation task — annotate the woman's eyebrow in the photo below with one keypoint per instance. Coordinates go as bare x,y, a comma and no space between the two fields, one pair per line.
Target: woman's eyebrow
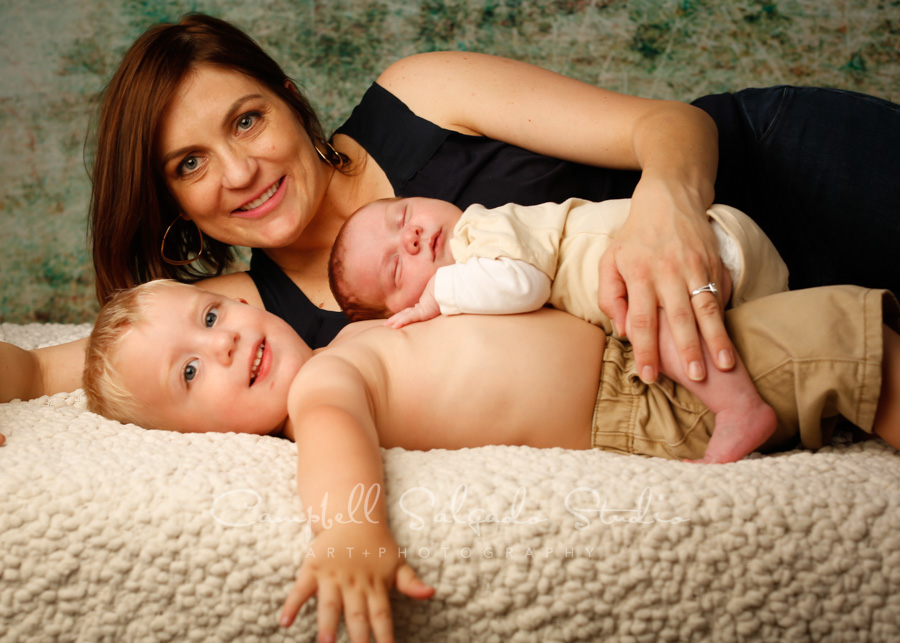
236,105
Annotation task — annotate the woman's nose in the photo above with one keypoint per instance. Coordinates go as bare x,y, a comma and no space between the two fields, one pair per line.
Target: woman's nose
412,239
238,170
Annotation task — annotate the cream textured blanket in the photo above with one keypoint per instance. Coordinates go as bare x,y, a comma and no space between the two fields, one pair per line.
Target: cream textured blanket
109,532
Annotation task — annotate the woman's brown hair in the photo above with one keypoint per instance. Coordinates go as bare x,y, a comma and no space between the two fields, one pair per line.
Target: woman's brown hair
131,206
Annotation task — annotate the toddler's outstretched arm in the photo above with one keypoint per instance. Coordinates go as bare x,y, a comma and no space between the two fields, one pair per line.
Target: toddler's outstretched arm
354,560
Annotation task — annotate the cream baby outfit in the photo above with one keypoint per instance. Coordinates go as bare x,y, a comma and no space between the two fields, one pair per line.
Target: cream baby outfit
561,245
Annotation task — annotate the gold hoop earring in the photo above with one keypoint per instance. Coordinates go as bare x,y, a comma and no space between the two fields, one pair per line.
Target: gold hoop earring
180,262
333,153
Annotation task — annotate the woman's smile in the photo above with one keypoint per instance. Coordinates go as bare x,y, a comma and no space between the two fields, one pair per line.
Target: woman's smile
263,204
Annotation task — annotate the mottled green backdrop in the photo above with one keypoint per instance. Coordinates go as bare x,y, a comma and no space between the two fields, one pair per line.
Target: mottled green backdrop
56,56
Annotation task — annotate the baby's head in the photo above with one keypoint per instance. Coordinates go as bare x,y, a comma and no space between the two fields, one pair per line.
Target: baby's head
387,251
169,356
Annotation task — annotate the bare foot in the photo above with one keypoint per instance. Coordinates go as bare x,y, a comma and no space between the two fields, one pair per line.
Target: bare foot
740,430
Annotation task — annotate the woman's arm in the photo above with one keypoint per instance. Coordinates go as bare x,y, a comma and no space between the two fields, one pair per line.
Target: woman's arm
26,374
666,249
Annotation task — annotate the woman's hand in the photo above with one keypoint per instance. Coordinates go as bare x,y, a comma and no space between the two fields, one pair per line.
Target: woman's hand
662,253
352,568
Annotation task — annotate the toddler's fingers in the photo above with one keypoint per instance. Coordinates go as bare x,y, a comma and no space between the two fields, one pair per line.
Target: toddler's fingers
356,615
409,583
328,614
303,589
380,617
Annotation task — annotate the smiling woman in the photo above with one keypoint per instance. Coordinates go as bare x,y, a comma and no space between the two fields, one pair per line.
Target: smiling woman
242,169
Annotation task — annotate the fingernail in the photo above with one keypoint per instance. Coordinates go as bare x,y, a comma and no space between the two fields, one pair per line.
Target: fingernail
726,359
695,371
647,375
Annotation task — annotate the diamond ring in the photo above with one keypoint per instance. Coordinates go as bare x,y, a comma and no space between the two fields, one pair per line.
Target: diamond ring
710,287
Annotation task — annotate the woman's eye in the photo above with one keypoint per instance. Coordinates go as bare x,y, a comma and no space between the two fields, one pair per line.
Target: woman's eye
246,121
188,165
210,318
190,371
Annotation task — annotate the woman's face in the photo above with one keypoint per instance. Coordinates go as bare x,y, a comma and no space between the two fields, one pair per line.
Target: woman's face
238,161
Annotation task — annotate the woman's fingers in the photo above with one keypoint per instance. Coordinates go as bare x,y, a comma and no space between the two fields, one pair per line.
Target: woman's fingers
613,293
710,320
642,328
686,337
692,319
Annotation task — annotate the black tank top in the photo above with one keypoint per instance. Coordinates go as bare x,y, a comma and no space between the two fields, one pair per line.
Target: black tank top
422,159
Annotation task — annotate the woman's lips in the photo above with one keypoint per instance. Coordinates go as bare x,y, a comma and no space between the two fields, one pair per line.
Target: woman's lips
264,203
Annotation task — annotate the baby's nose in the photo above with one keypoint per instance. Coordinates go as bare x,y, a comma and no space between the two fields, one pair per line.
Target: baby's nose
412,239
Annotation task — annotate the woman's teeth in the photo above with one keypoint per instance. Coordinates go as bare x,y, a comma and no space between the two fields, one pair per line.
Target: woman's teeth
254,369
265,196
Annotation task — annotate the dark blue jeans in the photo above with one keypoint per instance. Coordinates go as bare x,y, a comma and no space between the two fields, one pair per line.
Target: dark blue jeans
819,171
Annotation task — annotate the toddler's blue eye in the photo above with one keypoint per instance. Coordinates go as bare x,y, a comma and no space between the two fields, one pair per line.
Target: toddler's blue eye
211,316
190,371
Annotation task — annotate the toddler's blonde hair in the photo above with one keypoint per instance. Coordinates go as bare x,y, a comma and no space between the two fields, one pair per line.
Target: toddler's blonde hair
101,380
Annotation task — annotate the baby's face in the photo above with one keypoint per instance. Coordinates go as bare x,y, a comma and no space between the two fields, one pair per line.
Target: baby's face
201,362
394,247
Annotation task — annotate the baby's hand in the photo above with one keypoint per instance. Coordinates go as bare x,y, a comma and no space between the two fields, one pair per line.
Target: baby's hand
353,567
427,308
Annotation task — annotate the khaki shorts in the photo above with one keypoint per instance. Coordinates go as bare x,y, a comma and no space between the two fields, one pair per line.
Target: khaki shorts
813,354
